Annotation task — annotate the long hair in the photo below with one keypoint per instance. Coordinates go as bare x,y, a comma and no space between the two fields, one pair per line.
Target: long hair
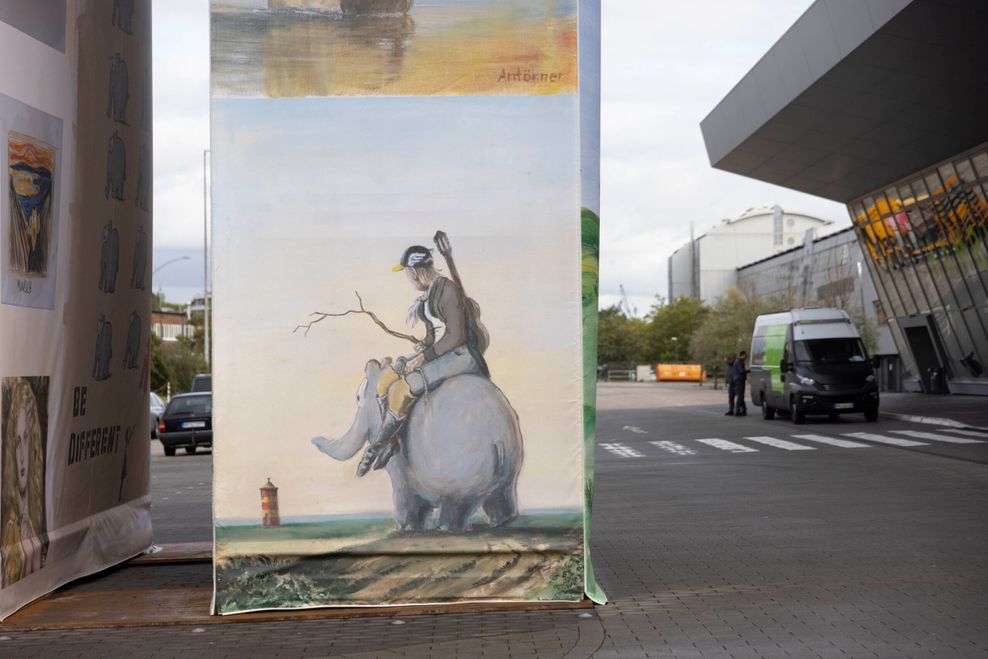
425,274
19,398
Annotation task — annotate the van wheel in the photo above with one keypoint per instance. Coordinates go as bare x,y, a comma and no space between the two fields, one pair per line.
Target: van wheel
169,450
833,416
871,414
768,412
190,450
798,415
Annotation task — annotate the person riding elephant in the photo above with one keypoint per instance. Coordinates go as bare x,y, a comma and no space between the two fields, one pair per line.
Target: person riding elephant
454,344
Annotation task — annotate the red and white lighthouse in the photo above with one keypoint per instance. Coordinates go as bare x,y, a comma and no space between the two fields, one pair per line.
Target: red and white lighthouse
269,505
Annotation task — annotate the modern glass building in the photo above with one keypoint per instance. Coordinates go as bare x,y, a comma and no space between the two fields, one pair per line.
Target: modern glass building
883,106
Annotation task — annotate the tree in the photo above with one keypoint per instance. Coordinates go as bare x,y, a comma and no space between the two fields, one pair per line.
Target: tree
619,338
727,328
669,329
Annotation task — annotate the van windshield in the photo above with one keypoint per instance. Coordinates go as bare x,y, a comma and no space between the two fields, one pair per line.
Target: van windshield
830,351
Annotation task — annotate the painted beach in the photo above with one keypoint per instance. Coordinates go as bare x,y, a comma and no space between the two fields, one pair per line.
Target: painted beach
362,561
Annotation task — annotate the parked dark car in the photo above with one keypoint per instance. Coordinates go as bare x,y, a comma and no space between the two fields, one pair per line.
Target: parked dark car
202,382
187,423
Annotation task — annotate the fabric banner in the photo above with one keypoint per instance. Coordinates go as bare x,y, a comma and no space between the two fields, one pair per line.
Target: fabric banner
405,293
75,138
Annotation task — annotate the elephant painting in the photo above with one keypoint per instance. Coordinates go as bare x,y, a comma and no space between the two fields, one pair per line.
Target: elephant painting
460,450
143,197
123,15
139,270
104,349
133,347
109,259
116,168
116,105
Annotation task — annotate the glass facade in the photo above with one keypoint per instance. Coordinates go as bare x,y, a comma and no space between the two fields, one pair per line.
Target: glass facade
926,243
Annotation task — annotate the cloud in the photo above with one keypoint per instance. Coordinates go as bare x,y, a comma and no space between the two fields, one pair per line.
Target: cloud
665,66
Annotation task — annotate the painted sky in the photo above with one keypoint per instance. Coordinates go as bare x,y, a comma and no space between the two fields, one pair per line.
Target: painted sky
665,65
318,198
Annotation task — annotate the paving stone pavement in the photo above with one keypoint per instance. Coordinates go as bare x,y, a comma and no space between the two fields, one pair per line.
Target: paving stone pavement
833,552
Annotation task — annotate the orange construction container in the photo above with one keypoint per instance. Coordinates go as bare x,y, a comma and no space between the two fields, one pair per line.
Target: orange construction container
678,372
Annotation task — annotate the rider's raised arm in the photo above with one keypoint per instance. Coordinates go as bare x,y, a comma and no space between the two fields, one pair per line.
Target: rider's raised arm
452,309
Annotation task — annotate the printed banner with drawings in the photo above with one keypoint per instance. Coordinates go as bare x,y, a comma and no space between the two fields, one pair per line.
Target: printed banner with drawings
405,292
74,343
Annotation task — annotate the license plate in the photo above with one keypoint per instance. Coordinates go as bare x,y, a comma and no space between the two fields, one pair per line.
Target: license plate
194,424
843,406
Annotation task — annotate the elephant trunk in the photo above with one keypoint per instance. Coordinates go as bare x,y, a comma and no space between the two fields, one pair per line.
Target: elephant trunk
347,445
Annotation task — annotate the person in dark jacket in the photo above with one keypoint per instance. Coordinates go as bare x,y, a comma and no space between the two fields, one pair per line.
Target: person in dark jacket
728,362
739,376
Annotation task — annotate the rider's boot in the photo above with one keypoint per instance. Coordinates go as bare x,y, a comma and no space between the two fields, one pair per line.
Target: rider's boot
391,425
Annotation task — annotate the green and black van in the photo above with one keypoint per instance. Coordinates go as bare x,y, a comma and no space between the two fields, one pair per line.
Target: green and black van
811,361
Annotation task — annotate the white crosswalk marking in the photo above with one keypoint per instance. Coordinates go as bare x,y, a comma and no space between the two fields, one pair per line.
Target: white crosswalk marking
725,445
620,450
673,447
881,439
937,438
833,441
969,433
781,443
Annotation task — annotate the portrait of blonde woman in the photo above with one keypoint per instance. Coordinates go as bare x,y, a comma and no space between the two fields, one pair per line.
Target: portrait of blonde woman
23,540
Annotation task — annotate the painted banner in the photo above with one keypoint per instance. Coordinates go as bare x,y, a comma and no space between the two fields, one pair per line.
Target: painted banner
74,445
405,294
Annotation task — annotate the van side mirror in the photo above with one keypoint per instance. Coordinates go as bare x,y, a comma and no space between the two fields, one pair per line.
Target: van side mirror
784,365
876,362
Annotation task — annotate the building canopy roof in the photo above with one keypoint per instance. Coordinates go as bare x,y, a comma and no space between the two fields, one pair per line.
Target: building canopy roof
857,94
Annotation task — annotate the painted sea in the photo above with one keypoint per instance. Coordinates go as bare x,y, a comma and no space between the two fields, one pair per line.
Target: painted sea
293,48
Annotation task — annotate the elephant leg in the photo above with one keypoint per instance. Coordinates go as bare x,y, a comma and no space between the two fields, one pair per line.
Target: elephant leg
501,505
455,514
411,511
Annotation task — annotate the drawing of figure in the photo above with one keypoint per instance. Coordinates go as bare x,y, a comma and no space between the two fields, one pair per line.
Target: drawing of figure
24,540
116,168
140,267
454,344
143,198
109,259
133,348
116,105
104,349
31,164
123,15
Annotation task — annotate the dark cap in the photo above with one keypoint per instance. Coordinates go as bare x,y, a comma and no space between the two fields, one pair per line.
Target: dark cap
414,256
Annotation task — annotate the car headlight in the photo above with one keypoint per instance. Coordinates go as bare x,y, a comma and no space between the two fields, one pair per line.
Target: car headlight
870,378
803,380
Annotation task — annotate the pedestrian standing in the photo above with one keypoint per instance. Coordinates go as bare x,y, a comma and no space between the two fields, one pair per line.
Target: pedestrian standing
728,379
739,375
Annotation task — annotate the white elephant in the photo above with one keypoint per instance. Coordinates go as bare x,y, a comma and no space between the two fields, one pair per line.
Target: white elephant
460,450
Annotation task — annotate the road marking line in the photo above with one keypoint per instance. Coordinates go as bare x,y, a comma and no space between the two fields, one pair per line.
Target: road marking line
636,430
673,447
937,438
881,439
725,445
969,433
620,450
781,443
833,441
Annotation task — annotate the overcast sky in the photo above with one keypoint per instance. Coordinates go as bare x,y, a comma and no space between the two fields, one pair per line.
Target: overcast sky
666,64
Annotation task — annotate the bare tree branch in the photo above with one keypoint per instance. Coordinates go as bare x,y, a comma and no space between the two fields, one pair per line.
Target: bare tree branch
321,316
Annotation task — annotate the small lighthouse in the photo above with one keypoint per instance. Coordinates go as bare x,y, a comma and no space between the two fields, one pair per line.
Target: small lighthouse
269,505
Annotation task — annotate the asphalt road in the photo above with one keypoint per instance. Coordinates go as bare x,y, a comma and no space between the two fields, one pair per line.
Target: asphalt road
713,536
